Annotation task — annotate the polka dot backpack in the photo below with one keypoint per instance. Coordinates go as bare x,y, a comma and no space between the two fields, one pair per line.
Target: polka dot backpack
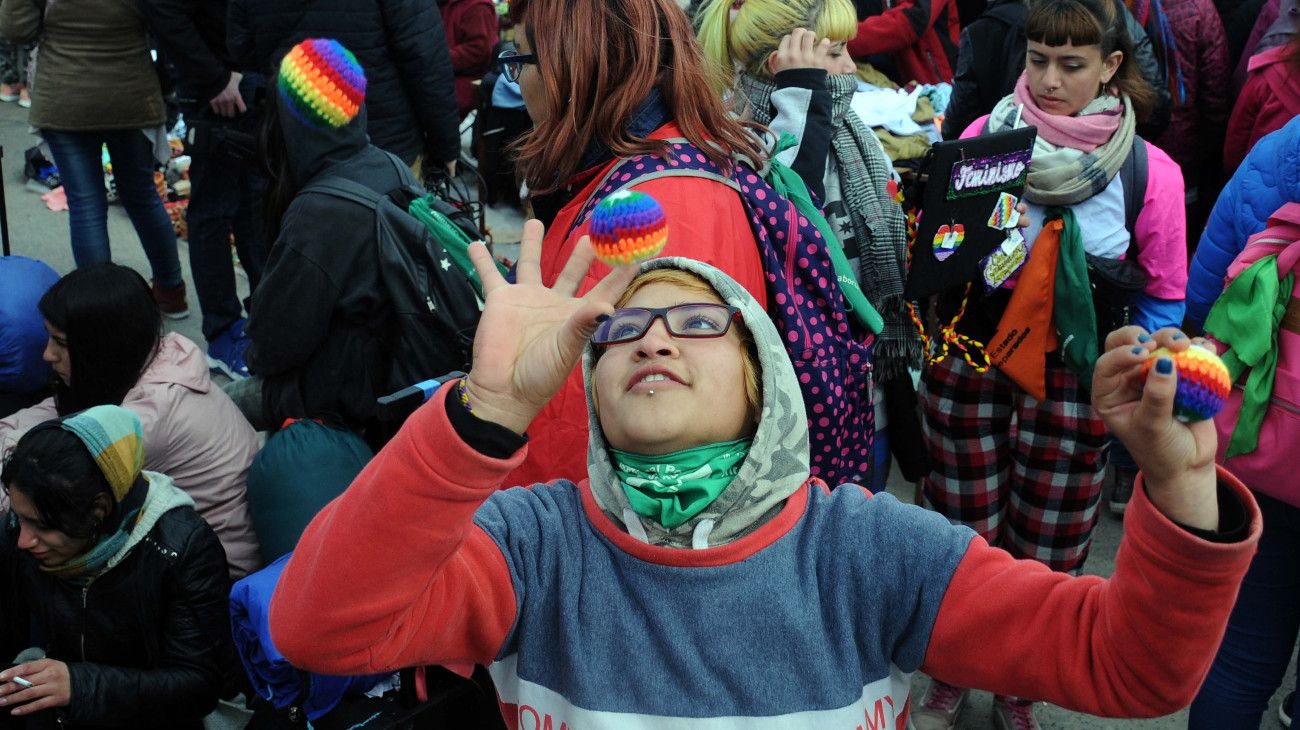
831,353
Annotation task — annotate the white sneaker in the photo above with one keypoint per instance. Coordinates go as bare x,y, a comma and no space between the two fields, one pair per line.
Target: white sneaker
939,708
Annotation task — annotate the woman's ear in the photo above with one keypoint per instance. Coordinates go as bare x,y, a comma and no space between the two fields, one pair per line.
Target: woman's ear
771,63
101,507
1110,65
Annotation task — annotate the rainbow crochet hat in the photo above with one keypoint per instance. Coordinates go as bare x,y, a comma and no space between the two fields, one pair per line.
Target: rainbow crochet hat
322,83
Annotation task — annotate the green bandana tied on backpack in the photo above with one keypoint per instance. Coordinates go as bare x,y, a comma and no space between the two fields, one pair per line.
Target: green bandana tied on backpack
672,488
1246,318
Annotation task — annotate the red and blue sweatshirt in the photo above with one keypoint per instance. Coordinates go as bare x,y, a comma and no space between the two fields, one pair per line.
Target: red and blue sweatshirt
816,615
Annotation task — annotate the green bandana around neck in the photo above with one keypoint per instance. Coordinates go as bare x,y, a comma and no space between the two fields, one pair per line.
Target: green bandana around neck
1073,313
672,488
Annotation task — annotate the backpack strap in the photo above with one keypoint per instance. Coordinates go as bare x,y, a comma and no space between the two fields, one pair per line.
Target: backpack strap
348,189
1133,176
341,187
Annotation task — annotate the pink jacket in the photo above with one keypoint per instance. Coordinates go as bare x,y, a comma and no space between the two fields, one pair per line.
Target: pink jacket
1161,225
193,433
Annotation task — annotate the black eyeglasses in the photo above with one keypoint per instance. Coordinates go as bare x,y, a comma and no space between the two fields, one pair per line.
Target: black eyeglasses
696,321
512,64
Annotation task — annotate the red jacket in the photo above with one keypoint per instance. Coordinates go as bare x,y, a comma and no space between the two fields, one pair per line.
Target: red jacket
1270,99
706,222
922,35
471,28
1196,122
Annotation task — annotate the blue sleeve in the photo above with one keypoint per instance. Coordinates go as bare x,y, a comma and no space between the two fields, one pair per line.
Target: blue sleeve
1152,313
1266,179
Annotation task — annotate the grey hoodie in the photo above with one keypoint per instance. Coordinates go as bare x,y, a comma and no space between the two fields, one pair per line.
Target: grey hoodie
777,463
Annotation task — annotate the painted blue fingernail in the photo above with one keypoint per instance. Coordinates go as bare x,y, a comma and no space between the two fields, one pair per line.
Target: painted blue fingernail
1144,338
1138,350
1179,336
1164,366
602,318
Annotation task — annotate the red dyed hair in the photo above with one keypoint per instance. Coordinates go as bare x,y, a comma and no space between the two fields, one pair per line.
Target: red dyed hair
598,59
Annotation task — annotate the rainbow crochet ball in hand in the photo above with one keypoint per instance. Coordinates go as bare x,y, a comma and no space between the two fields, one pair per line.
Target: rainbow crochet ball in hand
1203,382
628,227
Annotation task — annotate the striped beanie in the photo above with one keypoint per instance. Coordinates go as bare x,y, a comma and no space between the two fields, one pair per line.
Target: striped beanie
113,436
322,83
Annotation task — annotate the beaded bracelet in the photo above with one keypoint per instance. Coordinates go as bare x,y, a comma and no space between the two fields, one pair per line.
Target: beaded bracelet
463,393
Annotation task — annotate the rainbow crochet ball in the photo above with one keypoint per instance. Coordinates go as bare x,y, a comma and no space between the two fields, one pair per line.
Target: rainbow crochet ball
628,227
1203,382
322,83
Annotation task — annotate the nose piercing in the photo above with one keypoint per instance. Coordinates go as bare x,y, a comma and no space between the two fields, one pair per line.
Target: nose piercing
652,392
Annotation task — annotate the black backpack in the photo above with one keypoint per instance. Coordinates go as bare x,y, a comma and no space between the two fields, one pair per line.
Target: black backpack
435,308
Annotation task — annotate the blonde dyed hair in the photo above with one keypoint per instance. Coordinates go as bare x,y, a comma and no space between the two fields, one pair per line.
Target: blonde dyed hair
690,282
746,42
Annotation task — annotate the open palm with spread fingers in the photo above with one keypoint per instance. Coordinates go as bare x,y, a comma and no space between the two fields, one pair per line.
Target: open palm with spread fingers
531,336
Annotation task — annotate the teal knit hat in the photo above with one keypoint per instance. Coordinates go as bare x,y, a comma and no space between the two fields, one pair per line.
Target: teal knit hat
115,440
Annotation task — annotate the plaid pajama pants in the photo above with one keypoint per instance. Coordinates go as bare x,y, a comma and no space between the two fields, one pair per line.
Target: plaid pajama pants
1023,473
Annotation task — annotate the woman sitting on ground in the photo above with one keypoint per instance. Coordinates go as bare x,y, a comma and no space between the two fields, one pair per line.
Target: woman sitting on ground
107,347
112,588
700,568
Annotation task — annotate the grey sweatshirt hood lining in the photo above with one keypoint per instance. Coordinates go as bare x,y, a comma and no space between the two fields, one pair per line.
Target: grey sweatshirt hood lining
778,461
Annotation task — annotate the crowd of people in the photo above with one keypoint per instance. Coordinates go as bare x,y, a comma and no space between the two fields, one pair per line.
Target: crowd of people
648,500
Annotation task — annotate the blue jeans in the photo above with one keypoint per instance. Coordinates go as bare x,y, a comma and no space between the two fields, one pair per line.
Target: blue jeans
77,155
1261,631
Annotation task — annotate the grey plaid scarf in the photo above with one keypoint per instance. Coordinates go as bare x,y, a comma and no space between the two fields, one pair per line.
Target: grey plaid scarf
863,206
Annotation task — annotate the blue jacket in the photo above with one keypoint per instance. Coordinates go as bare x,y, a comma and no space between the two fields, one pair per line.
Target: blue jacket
1267,179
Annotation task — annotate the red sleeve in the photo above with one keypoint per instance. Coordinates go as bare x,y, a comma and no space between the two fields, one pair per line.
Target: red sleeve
895,29
1136,645
1241,125
393,573
471,41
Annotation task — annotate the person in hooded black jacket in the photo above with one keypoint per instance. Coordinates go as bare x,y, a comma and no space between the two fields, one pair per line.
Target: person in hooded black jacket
401,45
114,596
319,334
992,55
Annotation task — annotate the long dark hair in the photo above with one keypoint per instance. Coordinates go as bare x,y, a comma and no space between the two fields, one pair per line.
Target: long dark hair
52,468
280,189
1093,23
113,328
598,60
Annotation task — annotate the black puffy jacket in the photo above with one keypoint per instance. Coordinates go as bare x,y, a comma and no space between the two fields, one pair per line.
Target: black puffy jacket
410,91
320,328
147,644
992,55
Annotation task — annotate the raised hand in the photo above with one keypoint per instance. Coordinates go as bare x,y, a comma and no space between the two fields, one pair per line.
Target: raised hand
1176,459
530,337
799,49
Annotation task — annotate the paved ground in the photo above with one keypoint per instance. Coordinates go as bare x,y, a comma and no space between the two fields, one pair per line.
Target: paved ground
42,234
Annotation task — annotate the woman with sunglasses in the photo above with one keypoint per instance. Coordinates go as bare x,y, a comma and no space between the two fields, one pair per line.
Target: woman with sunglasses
700,578
604,80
